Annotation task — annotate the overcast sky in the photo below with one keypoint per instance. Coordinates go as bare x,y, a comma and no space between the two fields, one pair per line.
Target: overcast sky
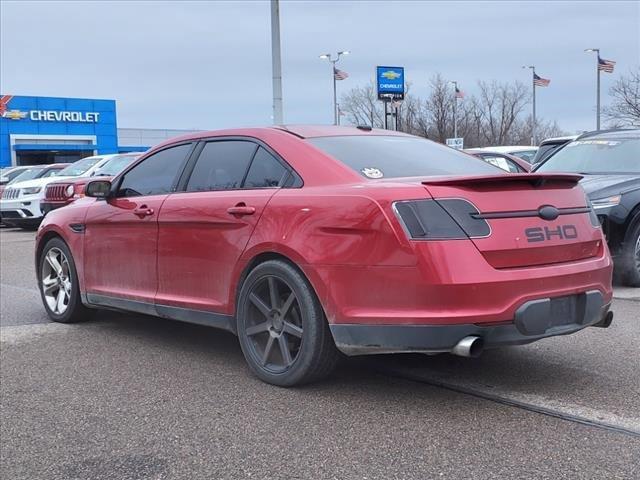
207,64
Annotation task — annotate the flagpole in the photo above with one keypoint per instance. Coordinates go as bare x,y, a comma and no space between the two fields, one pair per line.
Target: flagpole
533,88
335,99
455,105
333,62
597,50
598,94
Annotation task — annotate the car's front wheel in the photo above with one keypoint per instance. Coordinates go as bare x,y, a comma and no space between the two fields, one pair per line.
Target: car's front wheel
281,325
58,282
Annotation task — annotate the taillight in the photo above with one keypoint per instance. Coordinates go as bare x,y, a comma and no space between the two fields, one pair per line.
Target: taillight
440,219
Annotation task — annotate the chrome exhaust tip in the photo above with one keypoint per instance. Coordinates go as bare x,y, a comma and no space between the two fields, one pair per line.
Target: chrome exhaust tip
470,347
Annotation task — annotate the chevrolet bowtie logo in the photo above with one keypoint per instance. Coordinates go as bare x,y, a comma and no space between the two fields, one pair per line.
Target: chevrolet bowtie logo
14,114
390,75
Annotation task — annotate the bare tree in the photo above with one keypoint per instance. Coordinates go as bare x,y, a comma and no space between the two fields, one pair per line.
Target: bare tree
625,107
493,117
439,106
500,105
362,106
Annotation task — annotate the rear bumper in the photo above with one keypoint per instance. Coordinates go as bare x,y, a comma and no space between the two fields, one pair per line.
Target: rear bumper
534,320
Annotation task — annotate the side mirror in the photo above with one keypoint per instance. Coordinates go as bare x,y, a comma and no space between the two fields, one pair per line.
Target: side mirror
98,189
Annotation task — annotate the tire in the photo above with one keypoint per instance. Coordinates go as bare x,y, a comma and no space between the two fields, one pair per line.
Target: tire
631,255
278,312
57,276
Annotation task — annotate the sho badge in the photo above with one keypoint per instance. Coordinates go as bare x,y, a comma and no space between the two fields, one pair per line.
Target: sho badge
372,172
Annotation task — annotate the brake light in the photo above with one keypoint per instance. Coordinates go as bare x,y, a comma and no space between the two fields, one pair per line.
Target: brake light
449,219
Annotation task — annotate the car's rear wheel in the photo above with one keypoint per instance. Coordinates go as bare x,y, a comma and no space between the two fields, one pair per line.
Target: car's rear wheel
631,256
58,282
281,325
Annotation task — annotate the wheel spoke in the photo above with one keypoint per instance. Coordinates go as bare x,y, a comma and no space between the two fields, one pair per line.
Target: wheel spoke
53,261
261,327
267,350
260,305
284,349
60,302
292,329
49,288
287,304
273,293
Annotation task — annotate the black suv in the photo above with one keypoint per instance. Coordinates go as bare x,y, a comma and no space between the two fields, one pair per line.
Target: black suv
610,163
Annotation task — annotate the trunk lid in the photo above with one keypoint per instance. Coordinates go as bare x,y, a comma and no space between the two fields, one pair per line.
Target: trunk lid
534,219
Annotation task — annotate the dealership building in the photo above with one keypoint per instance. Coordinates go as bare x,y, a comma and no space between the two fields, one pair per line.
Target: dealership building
35,130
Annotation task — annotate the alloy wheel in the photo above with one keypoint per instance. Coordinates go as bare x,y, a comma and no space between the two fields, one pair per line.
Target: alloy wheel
273,324
56,281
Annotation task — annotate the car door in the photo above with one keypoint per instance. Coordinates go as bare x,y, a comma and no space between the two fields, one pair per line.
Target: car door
204,229
121,232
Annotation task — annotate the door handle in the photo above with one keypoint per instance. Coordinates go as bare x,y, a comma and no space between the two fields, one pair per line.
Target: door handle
241,209
143,211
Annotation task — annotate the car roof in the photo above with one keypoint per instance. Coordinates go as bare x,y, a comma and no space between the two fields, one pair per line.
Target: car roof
564,139
612,134
300,131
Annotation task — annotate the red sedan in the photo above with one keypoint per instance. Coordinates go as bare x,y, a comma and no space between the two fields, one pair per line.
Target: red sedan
311,241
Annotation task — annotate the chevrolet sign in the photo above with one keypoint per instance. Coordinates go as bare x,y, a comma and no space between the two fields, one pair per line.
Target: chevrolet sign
56,116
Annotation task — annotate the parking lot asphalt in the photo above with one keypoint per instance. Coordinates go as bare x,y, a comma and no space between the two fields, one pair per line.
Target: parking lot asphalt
130,397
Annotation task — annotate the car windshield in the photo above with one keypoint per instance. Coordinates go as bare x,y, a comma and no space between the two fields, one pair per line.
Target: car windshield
596,156
78,168
28,174
115,165
393,157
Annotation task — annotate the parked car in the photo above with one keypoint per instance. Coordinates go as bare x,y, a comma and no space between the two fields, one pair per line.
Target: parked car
523,152
20,202
610,164
31,172
9,173
310,241
549,146
64,191
509,163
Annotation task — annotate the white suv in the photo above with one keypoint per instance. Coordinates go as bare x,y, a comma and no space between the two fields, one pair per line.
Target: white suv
20,203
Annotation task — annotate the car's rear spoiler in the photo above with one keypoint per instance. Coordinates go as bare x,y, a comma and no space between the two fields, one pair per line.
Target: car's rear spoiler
535,179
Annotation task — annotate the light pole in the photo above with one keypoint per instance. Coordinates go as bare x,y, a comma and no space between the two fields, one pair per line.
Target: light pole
597,50
333,61
455,104
533,87
276,63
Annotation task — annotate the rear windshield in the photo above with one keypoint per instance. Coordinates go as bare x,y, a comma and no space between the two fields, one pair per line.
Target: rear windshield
394,157
115,165
79,167
594,156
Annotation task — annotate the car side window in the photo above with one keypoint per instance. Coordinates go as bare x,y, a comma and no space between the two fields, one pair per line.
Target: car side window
265,171
222,165
156,174
50,173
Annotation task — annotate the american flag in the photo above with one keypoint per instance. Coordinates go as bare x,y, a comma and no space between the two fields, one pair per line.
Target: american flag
605,65
538,81
459,93
339,74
